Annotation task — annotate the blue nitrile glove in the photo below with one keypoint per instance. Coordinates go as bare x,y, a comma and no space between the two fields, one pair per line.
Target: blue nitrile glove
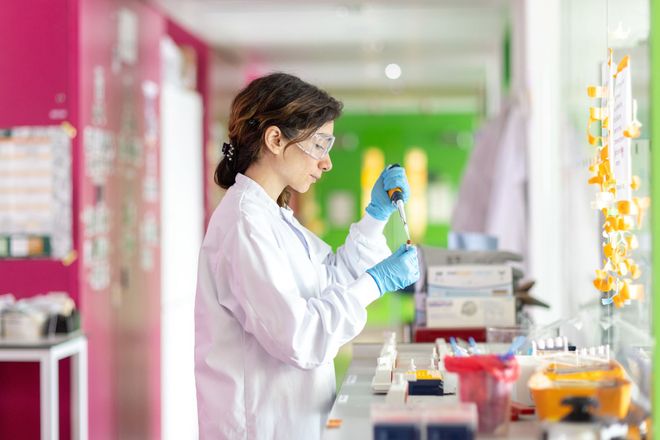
397,271
381,207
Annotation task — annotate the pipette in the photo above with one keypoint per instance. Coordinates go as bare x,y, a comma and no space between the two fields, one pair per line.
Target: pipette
396,196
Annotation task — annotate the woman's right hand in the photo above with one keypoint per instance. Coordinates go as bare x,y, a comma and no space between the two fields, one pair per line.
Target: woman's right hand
381,207
399,270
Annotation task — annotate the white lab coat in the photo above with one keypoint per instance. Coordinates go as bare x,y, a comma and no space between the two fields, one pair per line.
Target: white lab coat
508,212
493,194
273,307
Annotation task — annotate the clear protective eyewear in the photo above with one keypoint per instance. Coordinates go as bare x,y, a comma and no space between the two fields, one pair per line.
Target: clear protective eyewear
318,145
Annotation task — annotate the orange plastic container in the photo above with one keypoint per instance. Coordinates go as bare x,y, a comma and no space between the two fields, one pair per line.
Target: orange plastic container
607,384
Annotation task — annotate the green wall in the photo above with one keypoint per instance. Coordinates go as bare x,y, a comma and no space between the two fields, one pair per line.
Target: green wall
394,134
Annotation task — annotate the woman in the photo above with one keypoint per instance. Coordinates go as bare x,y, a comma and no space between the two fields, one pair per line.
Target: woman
274,304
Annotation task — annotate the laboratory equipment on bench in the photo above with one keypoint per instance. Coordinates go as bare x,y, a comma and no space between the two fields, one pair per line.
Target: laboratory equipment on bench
424,421
465,292
582,424
574,375
486,380
37,316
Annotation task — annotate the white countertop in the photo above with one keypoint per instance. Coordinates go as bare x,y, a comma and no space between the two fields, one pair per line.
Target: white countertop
353,402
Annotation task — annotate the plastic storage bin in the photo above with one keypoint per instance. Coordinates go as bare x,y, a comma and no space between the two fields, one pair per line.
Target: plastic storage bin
605,382
486,380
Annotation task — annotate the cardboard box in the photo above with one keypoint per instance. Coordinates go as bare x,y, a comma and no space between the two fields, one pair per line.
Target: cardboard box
470,280
470,312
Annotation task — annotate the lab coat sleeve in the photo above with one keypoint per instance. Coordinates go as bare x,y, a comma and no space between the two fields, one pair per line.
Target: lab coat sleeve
302,330
365,246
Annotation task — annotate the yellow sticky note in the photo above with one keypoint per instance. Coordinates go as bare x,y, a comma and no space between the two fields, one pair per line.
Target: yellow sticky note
69,129
70,258
595,92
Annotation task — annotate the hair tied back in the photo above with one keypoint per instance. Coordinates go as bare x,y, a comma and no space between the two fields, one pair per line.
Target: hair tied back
228,151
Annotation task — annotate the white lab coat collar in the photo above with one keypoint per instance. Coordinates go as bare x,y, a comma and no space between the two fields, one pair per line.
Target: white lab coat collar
244,183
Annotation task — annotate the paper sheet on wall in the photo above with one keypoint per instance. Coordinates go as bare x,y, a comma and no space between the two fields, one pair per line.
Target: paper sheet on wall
100,155
612,170
621,111
35,186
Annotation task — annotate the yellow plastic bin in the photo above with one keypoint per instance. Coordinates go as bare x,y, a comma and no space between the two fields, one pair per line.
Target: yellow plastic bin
607,385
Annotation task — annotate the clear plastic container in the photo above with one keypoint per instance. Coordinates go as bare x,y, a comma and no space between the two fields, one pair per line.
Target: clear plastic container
505,334
486,380
499,338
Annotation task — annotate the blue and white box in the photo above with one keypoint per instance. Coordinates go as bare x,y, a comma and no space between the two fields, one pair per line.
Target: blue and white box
462,281
469,312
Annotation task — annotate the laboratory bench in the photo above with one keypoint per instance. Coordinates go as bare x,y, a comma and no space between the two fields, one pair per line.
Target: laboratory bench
350,414
48,351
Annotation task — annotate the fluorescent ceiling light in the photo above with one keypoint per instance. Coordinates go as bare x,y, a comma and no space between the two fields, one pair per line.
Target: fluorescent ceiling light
393,71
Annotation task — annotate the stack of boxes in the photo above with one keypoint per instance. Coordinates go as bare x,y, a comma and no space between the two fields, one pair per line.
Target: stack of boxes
466,289
465,296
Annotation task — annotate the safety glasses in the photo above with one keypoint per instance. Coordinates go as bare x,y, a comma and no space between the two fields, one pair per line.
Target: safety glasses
318,145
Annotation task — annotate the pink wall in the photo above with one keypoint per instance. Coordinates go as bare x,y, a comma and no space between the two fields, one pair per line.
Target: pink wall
40,80
56,52
38,86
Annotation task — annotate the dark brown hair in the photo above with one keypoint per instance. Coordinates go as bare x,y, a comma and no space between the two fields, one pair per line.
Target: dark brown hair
279,99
